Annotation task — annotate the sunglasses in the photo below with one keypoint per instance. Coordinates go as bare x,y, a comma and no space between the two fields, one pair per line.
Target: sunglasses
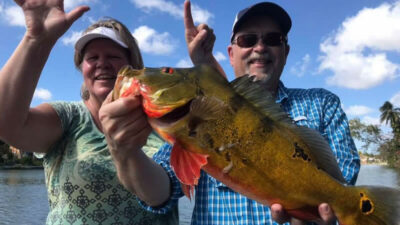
251,39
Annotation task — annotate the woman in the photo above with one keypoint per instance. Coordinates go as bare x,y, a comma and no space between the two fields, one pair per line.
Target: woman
82,182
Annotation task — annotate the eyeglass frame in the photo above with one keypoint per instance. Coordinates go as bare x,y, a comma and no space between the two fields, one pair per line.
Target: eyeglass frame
283,39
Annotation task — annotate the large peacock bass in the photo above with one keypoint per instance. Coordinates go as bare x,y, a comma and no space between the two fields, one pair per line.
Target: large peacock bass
237,133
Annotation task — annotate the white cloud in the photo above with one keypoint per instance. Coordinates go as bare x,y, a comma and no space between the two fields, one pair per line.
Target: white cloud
72,38
371,120
154,43
219,56
357,52
199,15
70,4
300,68
358,110
42,94
13,15
184,63
395,100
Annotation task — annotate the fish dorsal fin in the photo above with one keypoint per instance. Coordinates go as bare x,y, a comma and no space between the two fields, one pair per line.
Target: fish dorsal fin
260,97
263,100
321,151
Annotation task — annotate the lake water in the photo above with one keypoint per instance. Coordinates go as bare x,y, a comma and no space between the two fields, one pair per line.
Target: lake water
23,197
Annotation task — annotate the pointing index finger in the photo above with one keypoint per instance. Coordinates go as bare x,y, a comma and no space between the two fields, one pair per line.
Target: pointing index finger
187,16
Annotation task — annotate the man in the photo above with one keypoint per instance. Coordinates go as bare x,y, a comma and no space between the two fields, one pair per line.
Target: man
258,47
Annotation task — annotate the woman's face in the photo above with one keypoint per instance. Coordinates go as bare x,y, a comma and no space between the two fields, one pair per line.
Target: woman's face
102,59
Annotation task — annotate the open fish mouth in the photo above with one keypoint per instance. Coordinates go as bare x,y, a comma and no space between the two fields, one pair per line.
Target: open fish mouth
174,116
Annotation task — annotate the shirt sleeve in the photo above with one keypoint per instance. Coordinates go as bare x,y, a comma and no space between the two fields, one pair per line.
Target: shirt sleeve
162,158
65,112
337,132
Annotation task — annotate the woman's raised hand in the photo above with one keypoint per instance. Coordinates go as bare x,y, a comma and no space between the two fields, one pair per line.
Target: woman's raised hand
46,19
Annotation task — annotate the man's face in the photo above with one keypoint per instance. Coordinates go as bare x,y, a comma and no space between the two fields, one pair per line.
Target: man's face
263,61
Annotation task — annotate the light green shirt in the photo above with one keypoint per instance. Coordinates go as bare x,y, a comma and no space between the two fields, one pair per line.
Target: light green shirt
81,179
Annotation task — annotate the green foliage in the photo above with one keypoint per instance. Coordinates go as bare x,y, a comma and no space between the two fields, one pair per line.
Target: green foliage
388,146
391,115
367,134
7,158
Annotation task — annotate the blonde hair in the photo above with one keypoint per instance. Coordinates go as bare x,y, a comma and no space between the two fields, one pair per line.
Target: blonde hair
134,55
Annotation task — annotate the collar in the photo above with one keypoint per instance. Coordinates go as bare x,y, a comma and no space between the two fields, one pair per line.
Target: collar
282,93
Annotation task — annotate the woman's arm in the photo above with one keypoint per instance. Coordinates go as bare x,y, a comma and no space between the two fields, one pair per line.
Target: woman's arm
32,129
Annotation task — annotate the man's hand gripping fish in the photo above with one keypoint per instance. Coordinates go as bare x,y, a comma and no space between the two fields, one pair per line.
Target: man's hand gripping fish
238,134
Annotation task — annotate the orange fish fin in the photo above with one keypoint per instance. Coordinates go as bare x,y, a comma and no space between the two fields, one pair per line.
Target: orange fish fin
187,166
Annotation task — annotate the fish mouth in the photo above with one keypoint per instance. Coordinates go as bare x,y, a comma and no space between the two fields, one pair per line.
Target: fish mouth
172,117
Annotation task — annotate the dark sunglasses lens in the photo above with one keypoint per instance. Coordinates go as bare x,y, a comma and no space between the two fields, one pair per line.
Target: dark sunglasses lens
273,39
246,40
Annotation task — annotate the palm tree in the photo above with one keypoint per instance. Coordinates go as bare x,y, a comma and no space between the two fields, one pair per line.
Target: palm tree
391,115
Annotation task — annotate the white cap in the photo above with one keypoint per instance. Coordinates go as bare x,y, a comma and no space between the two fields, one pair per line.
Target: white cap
99,32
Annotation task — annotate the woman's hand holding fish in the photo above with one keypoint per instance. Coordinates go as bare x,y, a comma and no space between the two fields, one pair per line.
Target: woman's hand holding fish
125,125
46,20
126,130
200,41
279,215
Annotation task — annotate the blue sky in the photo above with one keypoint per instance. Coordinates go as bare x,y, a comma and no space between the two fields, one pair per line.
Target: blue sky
351,48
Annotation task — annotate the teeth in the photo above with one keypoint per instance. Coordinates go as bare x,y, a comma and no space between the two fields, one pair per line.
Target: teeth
104,77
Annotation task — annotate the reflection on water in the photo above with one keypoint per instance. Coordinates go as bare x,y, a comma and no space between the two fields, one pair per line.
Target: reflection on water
379,175
23,196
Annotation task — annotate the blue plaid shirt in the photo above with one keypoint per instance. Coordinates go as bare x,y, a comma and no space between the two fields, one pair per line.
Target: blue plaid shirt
217,204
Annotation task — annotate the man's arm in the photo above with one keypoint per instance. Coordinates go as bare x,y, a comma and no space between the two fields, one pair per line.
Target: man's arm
200,41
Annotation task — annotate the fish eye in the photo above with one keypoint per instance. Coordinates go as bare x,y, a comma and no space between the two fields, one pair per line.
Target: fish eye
168,70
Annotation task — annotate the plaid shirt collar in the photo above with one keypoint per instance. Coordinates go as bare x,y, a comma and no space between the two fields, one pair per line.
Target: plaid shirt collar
282,93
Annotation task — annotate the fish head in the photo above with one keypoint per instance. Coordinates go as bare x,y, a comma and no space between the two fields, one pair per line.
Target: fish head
167,93
162,89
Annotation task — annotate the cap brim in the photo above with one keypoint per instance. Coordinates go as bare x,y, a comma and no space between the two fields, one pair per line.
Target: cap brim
100,32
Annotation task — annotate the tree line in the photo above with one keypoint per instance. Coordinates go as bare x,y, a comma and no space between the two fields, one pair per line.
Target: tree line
386,144
8,159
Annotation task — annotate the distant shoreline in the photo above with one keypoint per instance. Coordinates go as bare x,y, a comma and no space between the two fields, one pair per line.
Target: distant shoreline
20,167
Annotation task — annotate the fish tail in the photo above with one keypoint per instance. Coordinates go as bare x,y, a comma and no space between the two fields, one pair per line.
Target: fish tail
375,206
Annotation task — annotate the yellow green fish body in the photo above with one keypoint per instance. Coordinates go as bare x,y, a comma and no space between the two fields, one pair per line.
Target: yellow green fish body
237,134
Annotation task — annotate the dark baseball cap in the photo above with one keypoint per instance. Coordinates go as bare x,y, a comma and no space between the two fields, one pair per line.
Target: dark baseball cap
267,8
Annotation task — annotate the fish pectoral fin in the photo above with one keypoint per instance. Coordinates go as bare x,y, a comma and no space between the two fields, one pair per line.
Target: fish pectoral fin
207,108
187,166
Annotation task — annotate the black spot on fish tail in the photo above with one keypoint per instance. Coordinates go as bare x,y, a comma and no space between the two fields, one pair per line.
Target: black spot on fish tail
299,153
192,125
366,206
